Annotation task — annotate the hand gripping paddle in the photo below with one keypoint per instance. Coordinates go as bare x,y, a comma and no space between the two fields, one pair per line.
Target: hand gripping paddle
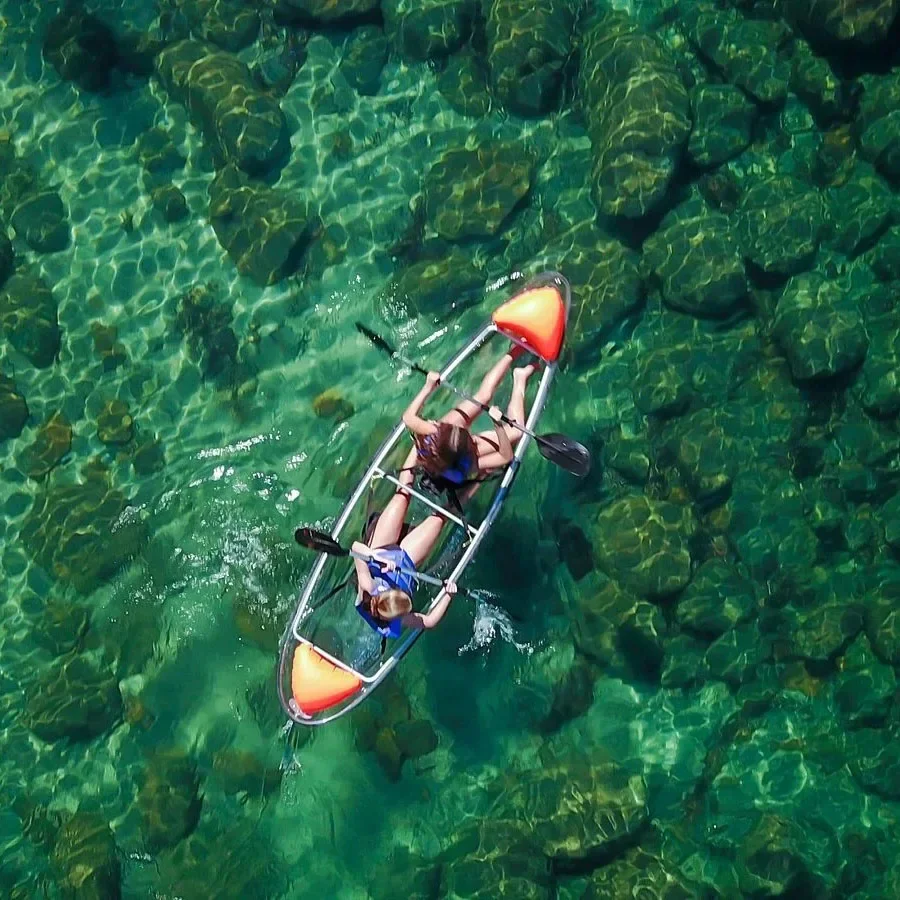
559,449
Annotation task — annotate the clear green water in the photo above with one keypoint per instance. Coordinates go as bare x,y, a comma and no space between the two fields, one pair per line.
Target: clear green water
187,627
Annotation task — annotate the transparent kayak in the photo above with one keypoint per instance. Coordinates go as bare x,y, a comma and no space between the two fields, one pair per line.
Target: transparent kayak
330,659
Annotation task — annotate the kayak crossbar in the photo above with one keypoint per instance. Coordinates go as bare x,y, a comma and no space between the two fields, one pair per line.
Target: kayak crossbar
429,502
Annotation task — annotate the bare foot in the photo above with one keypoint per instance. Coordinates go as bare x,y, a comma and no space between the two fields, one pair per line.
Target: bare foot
521,375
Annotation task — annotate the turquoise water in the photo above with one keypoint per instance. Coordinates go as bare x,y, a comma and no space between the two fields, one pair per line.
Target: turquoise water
680,679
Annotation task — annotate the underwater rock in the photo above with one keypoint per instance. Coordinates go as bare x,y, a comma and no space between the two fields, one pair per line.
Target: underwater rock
878,123
197,866
365,54
716,600
640,873
168,799
630,457
170,202
75,698
416,738
529,45
229,24
464,84
114,423
638,115
644,544
42,221
874,759
490,860
51,443
884,257
603,605
573,695
107,346
864,688
13,409
745,51
67,532
683,663
606,281
829,98
404,874
829,21
821,633
35,210
257,621
81,48
427,29
331,404
61,627
438,286
861,210
470,193
705,445
325,11
698,263
265,231
575,811
734,656
157,153
882,612
86,856
242,772
242,125
207,324
890,517
723,124
148,456
780,225
662,386
28,316
819,328
7,256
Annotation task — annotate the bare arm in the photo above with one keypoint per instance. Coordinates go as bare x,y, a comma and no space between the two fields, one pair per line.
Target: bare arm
363,577
430,619
411,418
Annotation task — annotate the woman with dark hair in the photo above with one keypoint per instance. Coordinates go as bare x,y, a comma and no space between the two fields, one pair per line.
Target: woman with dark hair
446,450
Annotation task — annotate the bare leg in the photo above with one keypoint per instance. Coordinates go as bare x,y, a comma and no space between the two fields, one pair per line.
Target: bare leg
486,441
466,412
421,540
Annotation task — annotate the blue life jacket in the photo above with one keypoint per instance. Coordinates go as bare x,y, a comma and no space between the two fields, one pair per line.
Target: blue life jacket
460,473
385,581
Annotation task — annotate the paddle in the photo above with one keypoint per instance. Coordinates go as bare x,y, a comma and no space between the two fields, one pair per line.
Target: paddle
323,543
559,449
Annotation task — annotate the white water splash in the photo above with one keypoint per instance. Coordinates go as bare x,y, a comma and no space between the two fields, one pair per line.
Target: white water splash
492,621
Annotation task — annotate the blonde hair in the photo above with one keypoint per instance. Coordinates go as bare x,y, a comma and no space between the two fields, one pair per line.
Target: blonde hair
390,604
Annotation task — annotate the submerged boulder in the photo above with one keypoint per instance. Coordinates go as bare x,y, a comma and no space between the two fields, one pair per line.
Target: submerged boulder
723,124
243,125
780,226
76,698
51,443
638,115
13,409
86,856
265,231
529,44
325,11
697,260
829,22
427,29
470,193
744,50
819,328
878,123
28,316
644,544
229,24
77,531
81,47
169,799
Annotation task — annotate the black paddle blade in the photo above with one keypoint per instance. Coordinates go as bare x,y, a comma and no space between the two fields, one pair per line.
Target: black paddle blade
566,453
376,339
319,541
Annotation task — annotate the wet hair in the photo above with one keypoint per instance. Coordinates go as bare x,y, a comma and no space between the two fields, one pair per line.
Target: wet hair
390,604
445,449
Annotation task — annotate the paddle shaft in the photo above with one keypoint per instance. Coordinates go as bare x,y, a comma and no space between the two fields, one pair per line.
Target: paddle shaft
464,396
